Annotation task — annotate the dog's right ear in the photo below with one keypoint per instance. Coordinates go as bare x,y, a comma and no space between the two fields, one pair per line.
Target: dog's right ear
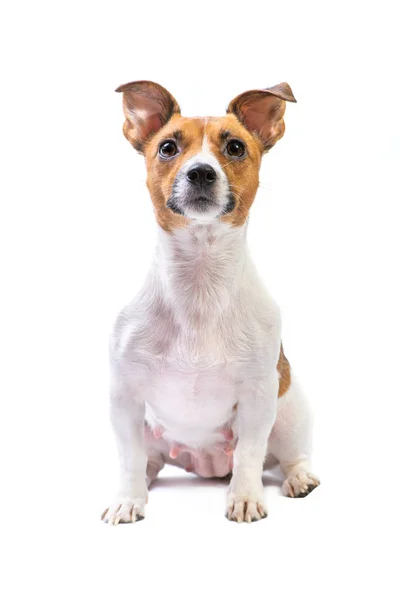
147,107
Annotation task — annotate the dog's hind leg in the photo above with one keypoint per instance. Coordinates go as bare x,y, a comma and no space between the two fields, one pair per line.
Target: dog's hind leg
290,442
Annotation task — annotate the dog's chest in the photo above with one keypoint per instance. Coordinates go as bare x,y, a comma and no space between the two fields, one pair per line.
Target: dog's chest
191,402
198,336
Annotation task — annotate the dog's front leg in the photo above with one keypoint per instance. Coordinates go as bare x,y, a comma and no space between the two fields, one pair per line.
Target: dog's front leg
256,412
127,417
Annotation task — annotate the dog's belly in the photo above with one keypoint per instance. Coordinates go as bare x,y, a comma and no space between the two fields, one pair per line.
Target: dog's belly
192,405
212,462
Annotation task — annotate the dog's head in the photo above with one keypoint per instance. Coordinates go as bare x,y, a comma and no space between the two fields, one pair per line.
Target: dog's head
202,168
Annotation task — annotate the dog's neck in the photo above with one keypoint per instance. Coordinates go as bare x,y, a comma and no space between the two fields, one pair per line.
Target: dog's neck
200,269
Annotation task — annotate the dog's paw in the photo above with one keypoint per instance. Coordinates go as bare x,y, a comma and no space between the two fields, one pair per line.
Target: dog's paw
245,502
300,485
245,510
124,510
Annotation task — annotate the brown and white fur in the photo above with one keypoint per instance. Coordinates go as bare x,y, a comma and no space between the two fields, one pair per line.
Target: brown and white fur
199,377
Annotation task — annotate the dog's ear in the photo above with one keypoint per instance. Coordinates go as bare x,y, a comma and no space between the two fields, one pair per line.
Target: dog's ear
147,107
261,112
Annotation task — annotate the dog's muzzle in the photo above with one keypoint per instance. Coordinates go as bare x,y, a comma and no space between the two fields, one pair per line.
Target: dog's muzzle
200,191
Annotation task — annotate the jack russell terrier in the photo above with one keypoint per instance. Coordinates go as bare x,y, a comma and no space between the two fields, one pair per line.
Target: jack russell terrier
199,378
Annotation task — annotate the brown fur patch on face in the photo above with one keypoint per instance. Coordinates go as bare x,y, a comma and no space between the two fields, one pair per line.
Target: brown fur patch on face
161,173
284,373
242,173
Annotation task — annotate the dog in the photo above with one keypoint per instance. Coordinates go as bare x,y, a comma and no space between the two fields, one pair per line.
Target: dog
199,378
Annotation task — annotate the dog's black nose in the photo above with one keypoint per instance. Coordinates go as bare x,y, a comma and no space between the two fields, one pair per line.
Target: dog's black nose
201,175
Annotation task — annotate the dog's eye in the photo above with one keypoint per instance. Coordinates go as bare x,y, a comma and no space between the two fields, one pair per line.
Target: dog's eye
168,149
235,148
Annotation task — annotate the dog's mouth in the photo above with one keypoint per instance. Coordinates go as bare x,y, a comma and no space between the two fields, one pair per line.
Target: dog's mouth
191,202
200,204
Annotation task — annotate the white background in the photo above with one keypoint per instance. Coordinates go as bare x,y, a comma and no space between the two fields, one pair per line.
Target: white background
77,236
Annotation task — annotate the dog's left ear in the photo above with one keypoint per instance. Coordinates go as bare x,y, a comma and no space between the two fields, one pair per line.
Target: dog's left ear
261,112
148,106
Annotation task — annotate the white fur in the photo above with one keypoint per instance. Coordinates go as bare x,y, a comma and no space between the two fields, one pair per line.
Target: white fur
197,350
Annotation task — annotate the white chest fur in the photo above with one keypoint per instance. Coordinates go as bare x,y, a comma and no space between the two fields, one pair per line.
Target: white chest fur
202,332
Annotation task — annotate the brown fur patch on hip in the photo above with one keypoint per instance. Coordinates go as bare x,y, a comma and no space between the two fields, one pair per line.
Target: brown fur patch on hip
283,367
